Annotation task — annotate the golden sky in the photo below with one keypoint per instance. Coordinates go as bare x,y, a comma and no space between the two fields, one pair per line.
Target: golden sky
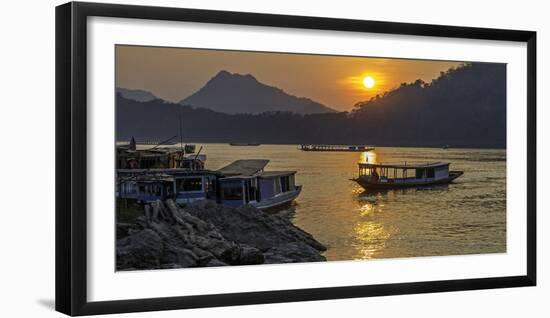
336,81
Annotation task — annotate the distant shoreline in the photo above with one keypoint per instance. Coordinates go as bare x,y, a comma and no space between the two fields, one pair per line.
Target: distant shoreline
451,147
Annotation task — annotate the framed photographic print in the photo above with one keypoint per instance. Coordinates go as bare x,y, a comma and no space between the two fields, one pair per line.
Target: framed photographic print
209,158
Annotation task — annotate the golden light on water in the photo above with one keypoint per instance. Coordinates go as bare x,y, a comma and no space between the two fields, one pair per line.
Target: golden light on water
372,238
368,156
366,209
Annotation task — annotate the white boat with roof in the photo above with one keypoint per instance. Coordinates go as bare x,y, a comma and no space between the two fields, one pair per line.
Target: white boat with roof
390,176
246,182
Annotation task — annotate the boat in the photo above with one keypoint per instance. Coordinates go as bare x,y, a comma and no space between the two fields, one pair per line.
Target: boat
340,148
246,182
244,144
446,147
240,183
391,176
266,190
129,156
181,185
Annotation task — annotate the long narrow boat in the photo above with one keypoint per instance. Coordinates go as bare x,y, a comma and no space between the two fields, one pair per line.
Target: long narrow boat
391,176
244,144
339,148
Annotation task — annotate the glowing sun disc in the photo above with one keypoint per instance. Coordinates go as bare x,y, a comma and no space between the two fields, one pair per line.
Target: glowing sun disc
368,82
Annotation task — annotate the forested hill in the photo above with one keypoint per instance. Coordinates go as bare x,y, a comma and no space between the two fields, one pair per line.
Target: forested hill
464,107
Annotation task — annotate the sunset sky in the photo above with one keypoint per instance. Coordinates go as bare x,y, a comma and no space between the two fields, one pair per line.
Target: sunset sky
336,81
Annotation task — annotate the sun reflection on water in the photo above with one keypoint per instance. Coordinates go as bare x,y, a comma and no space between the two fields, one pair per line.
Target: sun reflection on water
368,156
371,237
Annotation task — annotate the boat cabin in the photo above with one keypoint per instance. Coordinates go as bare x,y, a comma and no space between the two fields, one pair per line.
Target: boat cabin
387,176
181,185
263,190
192,187
395,173
239,190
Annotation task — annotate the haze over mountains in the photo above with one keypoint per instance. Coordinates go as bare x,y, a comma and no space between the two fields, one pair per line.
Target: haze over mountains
239,94
136,94
463,107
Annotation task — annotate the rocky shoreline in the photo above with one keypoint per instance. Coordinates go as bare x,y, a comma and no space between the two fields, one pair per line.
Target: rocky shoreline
207,234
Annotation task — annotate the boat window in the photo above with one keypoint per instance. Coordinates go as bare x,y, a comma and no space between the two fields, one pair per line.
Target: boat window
232,192
277,186
430,173
420,173
285,184
252,189
210,187
189,184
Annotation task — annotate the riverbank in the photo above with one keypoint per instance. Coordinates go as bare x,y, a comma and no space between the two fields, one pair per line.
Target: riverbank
207,234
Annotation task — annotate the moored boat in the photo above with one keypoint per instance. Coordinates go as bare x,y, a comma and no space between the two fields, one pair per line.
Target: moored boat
265,190
240,183
181,185
246,182
338,148
244,144
390,176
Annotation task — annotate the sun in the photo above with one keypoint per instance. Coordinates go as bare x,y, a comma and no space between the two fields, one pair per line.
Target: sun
368,82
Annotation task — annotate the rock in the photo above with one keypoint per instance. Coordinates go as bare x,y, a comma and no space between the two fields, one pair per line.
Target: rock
123,230
207,234
179,256
140,250
248,225
294,252
250,255
214,262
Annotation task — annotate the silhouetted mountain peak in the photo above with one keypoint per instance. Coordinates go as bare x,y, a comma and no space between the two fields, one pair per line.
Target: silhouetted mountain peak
225,76
242,93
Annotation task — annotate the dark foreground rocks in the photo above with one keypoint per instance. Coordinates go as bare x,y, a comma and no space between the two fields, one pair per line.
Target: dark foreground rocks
207,234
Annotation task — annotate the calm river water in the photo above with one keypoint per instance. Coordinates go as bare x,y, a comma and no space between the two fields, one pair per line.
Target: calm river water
465,217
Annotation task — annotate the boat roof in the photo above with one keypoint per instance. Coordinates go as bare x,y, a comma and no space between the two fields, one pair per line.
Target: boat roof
246,167
269,174
166,171
405,165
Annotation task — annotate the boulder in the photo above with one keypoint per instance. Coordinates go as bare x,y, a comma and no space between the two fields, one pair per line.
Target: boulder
141,250
205,235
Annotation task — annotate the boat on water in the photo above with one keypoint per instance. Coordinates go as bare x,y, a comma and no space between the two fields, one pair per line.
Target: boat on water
265,190
243,144
181,185
240,183
391,176
246,182
340,148
133,155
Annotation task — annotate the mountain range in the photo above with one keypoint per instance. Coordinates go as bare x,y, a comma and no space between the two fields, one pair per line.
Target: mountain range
136,94
239,94
463,107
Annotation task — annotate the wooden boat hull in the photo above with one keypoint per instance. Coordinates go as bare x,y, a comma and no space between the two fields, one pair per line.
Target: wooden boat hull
366,184
279,200
339,150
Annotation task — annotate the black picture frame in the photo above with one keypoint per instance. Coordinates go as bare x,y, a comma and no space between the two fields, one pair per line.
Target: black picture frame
71,157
